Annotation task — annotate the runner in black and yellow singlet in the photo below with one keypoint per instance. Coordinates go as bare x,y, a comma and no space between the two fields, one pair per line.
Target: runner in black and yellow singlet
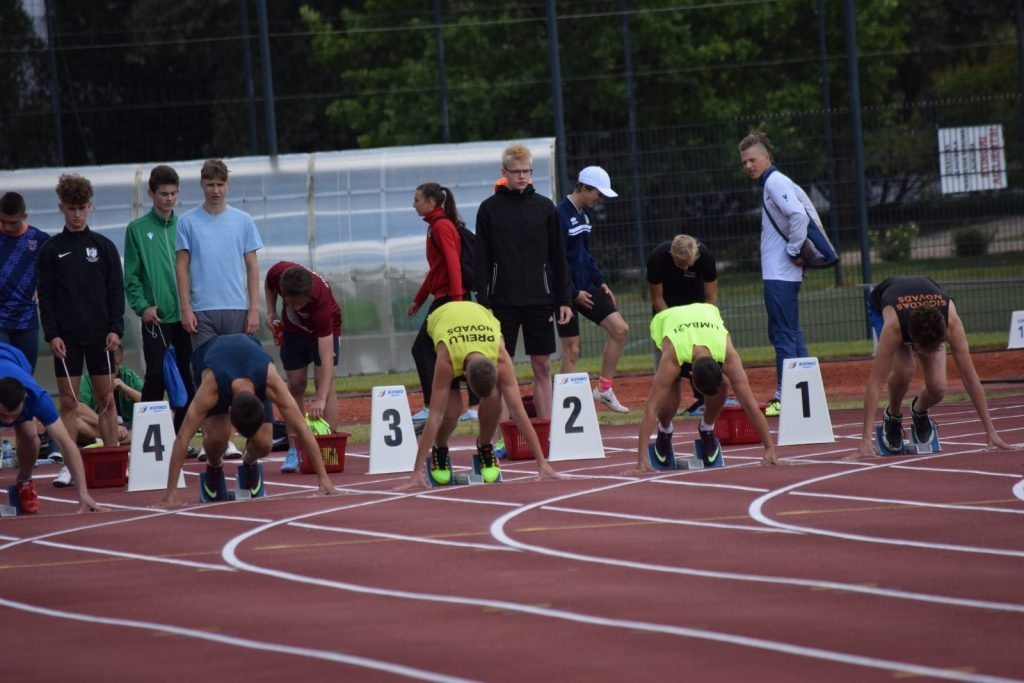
696,334
469,346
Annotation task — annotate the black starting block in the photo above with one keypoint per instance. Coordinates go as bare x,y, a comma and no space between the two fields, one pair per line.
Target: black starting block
245,489
914,446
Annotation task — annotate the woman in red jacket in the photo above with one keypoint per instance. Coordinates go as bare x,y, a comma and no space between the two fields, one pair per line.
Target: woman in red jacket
436,205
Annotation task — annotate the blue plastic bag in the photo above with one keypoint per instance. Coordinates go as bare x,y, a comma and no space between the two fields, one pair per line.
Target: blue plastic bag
176,394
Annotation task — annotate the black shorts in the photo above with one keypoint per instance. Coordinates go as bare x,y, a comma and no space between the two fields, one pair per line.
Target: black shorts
538,331
94,356
602,308
299,350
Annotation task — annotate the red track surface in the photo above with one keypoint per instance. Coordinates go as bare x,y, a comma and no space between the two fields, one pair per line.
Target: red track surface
820,570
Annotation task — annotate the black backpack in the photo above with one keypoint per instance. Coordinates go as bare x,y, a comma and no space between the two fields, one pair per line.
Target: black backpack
467,254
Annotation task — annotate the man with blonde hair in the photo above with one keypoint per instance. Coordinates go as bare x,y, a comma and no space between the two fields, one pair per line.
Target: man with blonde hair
680,272
520,263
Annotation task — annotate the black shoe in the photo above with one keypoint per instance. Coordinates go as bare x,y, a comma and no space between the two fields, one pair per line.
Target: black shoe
921,424
249,478
663,452
214,485
710,448
192,453
892,432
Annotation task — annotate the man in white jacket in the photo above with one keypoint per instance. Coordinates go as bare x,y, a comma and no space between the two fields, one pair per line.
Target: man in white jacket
786,210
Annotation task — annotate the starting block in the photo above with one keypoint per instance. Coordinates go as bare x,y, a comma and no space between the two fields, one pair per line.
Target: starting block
683,462
457,479
243,487
209,494
913,446
14,508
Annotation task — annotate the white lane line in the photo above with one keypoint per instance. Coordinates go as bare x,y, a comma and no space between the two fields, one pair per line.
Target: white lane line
135,556
246,643
498,530
756,511
399,537
665,520
230,556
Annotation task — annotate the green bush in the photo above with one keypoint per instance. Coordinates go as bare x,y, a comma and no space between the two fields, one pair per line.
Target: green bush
892,243
971,242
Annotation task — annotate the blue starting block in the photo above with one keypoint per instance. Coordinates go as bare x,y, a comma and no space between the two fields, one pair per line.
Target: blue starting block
914,446
476,470
213,494
13,509
695,462
709,460
457,479
245,489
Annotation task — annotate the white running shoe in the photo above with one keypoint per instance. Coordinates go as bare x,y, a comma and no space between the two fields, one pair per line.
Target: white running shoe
63,478
609,399
422,415
469,416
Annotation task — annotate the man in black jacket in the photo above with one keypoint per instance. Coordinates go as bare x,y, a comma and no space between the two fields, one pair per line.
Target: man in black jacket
81,306
521,268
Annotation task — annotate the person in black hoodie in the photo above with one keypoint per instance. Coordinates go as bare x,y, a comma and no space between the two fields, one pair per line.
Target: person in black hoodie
521,268
81,306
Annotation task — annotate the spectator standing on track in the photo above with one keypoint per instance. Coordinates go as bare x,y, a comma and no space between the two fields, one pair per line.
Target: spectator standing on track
310,321
150,286
216,269
785,205
238,388
468,341
913,317
435,204
680,272
520,262
591,295
19,247
22,402
696,334
81,305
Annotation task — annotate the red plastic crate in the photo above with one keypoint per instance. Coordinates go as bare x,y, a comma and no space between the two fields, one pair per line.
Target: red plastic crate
105,467
332,450
516,447
733,427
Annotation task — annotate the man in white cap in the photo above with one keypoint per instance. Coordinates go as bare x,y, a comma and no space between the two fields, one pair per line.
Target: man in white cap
591,295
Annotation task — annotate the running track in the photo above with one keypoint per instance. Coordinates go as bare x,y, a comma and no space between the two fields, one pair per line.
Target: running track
820,569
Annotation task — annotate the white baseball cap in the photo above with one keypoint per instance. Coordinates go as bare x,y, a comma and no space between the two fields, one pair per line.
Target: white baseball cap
597,177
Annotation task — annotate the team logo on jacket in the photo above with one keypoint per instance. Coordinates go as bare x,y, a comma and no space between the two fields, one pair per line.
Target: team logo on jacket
92,254
32,244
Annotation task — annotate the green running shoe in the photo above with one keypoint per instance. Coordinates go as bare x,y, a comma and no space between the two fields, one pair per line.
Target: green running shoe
489,469
440,466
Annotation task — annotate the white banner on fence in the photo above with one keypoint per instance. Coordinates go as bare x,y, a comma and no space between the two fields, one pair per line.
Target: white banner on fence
972,158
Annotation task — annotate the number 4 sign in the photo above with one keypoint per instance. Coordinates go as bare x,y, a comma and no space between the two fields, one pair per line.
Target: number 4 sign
804,417
574,431
150,454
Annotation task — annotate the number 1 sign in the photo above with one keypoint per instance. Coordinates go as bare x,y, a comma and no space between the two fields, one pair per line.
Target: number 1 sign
804,417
